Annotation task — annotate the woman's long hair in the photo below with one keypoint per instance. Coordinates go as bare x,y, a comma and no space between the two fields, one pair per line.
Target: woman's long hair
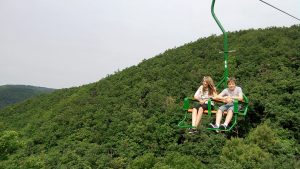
210,85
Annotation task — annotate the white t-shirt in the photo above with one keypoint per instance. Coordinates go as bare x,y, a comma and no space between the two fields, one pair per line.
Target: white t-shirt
200,94
236,92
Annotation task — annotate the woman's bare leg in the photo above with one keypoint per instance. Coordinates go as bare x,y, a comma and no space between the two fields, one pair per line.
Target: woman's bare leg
199,116
194,117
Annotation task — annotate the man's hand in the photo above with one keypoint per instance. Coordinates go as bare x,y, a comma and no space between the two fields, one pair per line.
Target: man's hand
228,99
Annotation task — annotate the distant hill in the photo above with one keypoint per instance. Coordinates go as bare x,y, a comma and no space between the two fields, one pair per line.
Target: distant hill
129,119
11,94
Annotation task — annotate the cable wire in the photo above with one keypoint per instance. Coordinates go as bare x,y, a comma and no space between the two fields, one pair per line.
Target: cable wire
280,10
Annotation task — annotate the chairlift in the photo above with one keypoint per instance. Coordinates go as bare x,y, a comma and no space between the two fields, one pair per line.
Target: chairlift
222,84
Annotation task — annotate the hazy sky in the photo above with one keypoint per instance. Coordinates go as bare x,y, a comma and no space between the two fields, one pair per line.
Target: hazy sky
65,43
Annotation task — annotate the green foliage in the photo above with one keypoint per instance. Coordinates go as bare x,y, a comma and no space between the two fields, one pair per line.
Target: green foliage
172,160
145,161
33,162
275,141
10,142
176,160
236,154
264,147
129,119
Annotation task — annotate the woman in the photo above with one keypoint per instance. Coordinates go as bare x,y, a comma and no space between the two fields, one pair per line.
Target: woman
204,92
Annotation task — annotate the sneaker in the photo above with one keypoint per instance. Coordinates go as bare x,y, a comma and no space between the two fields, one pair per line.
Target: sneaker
195,131
223,127
213,126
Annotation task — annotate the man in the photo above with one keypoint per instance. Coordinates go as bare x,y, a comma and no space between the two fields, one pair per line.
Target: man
227,96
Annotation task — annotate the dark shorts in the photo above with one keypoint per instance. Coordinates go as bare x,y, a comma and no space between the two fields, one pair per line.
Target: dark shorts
204,106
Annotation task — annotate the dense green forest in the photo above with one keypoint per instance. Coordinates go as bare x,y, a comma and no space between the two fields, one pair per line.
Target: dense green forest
11,94
129,119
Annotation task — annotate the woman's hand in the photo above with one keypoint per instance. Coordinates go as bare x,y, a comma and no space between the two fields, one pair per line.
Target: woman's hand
202,101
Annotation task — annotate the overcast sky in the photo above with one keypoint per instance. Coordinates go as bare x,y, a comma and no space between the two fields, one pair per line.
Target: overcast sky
66,43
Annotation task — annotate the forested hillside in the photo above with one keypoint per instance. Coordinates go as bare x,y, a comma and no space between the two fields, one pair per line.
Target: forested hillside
129,119
11,94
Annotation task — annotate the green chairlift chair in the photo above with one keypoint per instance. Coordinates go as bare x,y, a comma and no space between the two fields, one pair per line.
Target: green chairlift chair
245,103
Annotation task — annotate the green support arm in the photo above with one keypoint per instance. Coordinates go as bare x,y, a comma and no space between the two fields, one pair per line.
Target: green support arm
209,107
225,76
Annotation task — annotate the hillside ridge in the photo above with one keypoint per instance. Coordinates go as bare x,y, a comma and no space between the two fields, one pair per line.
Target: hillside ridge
11,94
